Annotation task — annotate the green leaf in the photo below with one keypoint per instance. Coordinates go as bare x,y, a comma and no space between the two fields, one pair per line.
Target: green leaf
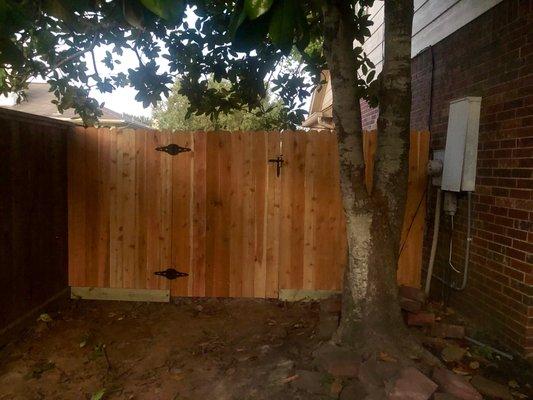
170,10
237,18
133,14
58,9
98,395
255,8
10,54
283,23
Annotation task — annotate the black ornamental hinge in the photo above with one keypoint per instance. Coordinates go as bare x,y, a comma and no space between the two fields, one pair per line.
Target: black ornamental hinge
173,149
171,273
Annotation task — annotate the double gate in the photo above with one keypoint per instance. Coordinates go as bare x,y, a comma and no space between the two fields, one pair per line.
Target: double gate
228,213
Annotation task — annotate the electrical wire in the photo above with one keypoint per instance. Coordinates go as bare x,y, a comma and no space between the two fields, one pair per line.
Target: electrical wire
450,252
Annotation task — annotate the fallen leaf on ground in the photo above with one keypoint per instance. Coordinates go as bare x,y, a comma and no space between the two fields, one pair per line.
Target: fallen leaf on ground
40,368
99,395
45,318
387,357
460,371
513,384
453,353
290,379
474,365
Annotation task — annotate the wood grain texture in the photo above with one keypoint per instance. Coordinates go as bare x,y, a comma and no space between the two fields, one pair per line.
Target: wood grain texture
410,261
33,215
219,213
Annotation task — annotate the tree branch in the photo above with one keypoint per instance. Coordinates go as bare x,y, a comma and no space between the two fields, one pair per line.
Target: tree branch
78,53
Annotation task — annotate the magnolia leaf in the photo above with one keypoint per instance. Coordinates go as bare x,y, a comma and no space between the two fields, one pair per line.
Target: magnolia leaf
167,9
98,395
133,14
255,8
57,9
237,18
283,23
371,76
248,34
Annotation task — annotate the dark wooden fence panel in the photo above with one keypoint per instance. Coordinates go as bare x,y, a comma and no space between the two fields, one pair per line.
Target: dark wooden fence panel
33,213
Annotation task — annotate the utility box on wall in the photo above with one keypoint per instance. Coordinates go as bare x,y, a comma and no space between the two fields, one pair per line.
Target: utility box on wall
460,156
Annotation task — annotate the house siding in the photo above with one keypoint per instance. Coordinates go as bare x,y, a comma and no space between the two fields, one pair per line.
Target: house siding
433,20
491,57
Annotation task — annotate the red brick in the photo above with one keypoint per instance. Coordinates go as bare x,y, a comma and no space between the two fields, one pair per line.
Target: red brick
514,274
412,293
525,246
516,234
454,384
412,385
420,319
518,214
503,203
523,152
520,194
513,253
410,305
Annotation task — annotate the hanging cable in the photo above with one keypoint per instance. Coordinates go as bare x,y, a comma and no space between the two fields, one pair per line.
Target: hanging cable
450,250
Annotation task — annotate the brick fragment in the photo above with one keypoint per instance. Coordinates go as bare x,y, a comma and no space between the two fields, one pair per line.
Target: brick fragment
412,293
410,305
455,385
420,319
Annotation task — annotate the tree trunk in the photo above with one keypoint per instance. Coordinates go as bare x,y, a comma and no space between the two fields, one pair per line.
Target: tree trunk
371,315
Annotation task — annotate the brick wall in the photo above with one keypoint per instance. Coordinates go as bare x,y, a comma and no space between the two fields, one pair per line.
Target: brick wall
491,57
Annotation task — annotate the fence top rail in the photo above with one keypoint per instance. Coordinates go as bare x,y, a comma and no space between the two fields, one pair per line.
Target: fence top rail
170,132
21,116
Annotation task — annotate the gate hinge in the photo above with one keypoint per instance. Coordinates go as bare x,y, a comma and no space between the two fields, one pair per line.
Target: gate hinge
171,273
173,149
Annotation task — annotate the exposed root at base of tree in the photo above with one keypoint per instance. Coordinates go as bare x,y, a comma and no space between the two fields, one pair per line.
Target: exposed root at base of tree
382,355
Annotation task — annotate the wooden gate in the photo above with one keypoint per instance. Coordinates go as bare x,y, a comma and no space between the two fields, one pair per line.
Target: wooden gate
219,212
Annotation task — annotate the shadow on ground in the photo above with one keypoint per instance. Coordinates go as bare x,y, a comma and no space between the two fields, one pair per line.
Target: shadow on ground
205,349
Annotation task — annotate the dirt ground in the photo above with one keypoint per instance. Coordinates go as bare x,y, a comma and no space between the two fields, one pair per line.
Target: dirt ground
223,349
208,349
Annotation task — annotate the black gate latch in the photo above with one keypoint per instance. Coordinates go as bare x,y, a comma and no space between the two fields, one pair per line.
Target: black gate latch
279,163
173,149
171,273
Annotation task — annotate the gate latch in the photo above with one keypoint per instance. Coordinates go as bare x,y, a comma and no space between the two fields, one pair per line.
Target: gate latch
173,149
171,273
279,163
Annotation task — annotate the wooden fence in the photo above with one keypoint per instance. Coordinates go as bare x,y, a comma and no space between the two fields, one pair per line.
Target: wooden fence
33,215
219,212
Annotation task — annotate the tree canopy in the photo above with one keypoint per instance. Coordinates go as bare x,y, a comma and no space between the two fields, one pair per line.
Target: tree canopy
241,42
172,115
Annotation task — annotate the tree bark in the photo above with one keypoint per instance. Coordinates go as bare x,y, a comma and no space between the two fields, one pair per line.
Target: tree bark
371,315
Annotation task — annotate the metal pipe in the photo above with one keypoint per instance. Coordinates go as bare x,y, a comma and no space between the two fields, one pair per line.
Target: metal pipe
467,250
468,240
481,344
436,226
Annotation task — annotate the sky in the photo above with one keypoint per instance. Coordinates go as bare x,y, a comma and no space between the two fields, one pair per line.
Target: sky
122,100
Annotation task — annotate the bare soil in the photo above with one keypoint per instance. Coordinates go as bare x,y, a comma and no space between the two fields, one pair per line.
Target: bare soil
234,349
194,349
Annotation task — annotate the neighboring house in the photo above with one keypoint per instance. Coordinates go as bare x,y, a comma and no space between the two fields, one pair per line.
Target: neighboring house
39,102
478,48
320,110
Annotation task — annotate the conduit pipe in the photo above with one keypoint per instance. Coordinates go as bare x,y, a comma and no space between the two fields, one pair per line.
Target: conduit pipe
436,227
